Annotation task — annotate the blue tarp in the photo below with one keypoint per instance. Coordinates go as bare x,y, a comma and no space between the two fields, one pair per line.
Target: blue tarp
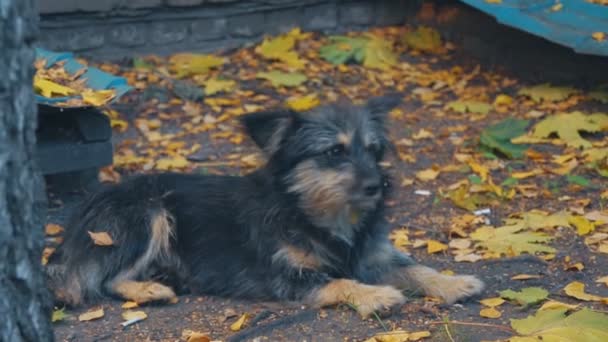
95,78
570,24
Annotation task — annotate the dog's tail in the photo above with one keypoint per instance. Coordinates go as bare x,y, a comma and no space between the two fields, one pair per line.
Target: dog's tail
116,235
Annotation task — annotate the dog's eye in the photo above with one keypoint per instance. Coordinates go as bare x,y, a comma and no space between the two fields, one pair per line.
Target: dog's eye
335,150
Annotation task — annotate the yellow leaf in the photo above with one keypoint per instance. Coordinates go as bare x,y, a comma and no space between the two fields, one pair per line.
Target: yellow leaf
553,304
399,336
583,226
603,280
417,335
427,175
53,229
424,39
492,302
599,36
91,315
547,92
216,85
281,48
177,162
481,170
490,312
523,175
379,54
503,100
48,88
576,289
568,125
525,277
98,97
129,305
101,238
194,336
185,64
121,125
434,246
303,103
134,315
238,325
422,134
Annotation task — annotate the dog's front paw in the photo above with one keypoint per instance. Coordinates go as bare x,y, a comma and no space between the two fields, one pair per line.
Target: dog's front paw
377,298
459,287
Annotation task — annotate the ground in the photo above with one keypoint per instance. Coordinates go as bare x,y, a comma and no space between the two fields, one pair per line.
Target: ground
441,174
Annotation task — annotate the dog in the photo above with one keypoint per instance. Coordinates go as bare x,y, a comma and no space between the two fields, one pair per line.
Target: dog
308,226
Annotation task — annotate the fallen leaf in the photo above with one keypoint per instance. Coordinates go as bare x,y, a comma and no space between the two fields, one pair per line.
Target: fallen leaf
582,224
525,277
557,325
129,305
49,88
108,175
498,137
132,317
553,305
547,92
598,36
434,246
492,302
527,296
475,107
98,98
238,325
52,229
399,336
101,238
422,134
216,85
490,312
283,79
59,315
194,336
603,280
177,162
379,54
342,49
91,315
576,289
281,48
568,125
427,175
511,240
303,103
186,64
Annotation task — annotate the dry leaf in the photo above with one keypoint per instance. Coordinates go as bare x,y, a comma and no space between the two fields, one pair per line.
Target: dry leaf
194,336
576,289
434,246
427,175
303,103
603,280
238,325
91,315
101,238
129,305
492,302
553,304
490,312
525,277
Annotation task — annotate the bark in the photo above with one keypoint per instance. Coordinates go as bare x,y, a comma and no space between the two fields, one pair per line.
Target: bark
25,305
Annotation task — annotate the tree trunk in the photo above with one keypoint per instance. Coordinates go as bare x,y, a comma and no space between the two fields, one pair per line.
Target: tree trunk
25,305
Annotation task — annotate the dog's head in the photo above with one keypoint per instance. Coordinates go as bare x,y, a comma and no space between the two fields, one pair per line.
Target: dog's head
328,158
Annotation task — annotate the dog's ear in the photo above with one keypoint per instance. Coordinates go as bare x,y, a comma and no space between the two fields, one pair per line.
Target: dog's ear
267,129
379,107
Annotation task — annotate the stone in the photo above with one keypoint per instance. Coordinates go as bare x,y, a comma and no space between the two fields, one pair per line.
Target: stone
72,40
320,17
209,28
283,20
246,25
356,13
96,6
57,6
394,12
168,32
128,35
184,3
137,4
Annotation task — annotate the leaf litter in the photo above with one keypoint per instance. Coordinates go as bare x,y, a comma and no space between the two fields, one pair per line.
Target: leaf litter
494,150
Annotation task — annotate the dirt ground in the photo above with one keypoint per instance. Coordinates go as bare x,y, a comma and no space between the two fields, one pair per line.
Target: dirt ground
423,216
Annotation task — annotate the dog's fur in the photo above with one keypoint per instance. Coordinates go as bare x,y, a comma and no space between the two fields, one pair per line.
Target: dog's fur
308,226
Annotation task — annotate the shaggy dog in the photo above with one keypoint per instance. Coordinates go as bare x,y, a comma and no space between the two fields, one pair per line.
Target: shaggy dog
308,226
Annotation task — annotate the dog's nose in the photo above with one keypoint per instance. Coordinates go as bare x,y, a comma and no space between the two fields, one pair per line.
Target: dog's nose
371,187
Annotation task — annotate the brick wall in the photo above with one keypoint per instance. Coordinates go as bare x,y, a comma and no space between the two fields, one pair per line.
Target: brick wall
116,28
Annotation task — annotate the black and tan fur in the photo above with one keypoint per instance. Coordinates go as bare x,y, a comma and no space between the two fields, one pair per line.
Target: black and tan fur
308,226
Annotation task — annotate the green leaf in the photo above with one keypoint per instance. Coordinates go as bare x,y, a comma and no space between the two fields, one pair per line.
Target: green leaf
475,179
527,296
344,49
278,78
578,180
498,137
476,107
556,325
140,63
509,181
59,315
547,92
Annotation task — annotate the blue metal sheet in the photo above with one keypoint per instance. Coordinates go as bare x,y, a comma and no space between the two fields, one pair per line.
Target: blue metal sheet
572,25
95,78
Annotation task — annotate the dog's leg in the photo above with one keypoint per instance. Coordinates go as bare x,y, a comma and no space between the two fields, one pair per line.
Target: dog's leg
384,264
365,298
141,291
